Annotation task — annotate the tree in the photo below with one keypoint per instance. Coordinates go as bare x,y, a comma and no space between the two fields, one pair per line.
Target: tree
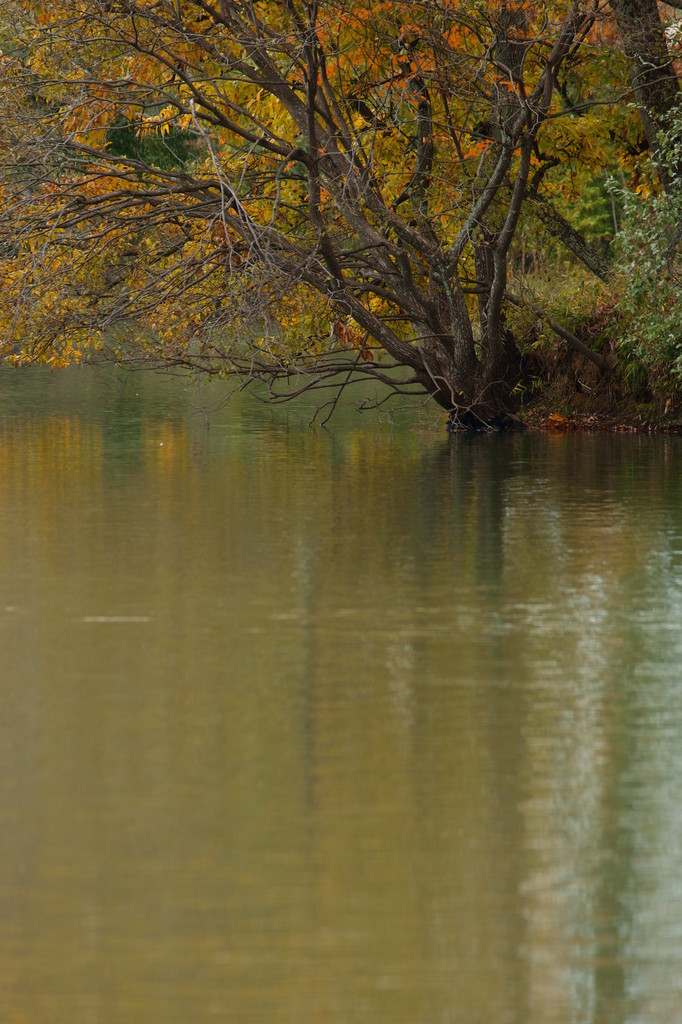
340,190
654,81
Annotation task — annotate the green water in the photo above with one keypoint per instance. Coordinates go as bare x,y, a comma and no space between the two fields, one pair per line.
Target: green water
359,725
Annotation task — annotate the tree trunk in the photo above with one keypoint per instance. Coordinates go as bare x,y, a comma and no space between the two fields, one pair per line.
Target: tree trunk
572,239
653,77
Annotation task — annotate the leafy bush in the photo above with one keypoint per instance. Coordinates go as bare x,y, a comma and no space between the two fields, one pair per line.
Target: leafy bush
650,258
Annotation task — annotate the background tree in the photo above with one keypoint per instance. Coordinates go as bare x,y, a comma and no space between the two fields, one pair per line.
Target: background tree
298,190
652,73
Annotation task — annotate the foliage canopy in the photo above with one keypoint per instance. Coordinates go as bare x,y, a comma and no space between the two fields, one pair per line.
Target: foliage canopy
295,189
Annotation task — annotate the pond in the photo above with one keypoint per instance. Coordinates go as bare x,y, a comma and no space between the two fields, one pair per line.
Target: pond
364,724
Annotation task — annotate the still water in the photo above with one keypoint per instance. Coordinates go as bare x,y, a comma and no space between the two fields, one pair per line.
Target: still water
359,725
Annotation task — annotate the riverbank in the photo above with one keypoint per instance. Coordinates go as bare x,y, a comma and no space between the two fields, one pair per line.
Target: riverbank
634,423
563,393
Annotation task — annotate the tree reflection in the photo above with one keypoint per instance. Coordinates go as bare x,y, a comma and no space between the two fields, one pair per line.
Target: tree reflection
400,739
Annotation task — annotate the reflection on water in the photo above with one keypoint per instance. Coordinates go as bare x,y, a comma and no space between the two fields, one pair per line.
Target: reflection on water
365,725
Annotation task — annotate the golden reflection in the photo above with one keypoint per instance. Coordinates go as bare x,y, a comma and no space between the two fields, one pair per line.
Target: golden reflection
312,726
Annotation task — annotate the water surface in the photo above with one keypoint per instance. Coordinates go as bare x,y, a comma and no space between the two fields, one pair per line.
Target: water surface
359,725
